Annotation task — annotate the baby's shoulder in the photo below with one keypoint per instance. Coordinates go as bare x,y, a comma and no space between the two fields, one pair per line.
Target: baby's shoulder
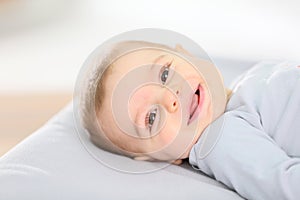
263,72
263,78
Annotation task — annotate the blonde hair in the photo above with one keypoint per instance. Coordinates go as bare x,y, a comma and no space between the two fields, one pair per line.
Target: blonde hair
93,91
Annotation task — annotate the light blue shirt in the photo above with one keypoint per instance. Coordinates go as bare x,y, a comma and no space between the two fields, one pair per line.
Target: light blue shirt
254,147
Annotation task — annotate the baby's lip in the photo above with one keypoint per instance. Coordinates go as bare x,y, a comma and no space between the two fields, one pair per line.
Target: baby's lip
196,101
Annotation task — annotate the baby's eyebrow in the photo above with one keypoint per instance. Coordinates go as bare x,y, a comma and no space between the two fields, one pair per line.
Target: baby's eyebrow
155,61
138,127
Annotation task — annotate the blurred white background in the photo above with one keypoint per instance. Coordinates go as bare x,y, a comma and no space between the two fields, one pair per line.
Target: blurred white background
43,43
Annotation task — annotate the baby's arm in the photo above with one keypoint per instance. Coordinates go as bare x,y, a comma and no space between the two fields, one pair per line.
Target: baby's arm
249,161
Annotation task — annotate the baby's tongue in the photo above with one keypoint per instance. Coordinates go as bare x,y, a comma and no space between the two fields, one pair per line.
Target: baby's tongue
194,104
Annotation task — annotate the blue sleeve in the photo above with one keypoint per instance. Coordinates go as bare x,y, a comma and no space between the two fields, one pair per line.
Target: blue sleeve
247,160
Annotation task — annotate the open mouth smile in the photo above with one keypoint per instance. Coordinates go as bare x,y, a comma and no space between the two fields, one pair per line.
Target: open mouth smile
196,104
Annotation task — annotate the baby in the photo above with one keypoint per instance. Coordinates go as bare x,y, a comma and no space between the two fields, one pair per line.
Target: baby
152,102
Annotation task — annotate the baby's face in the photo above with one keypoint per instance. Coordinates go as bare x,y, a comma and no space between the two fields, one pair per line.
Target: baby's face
156,104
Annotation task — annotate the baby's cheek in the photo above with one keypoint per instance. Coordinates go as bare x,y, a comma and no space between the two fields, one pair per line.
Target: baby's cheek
169,132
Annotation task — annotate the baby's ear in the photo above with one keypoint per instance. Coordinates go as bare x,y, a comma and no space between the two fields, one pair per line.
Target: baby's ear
180,49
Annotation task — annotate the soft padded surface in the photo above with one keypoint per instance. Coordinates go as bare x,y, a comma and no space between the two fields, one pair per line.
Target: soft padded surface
54,164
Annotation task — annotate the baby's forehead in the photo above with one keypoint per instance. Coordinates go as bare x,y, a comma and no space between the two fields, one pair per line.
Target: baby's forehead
146,53
141,57
140,64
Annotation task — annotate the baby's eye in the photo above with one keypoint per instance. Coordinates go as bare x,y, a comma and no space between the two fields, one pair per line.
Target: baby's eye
150,118
165,73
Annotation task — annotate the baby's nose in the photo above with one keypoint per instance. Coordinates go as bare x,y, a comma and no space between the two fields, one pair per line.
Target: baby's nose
170,101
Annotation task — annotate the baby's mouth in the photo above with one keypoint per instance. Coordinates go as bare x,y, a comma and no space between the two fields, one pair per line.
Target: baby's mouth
195,105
